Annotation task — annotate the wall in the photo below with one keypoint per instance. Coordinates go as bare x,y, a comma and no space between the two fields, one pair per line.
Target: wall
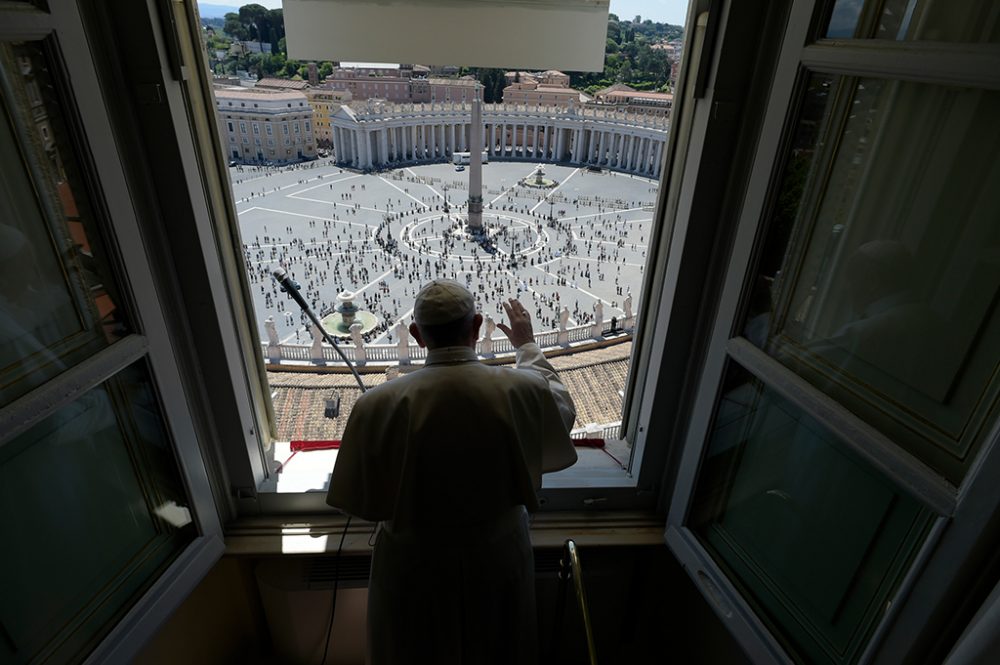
644,608
220,622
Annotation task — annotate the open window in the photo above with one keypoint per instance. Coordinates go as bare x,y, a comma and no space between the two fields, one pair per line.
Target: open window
107,510
846,419
358,184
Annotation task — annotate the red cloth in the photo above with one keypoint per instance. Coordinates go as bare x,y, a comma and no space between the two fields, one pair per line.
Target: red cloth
298,446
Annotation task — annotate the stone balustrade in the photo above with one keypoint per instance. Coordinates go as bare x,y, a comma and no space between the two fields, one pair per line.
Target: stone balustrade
395,354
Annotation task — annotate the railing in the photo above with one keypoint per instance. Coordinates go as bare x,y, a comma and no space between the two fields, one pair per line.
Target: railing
595,431
396,354
569,567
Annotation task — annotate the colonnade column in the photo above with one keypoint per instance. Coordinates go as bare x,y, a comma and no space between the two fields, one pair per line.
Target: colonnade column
383,147
534,150
493,139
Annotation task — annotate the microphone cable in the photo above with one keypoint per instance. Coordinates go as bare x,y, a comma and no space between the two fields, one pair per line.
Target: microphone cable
291,287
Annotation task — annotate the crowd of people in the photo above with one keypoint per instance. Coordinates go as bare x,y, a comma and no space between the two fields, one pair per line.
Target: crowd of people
543,261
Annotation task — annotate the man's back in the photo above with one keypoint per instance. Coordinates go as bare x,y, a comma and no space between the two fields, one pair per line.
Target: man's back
457,441
448,458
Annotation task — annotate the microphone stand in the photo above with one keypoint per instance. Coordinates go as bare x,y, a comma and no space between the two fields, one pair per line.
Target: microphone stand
291,287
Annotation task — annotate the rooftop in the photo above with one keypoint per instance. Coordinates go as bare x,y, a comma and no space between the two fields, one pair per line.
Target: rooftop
282,84
251,93
593,378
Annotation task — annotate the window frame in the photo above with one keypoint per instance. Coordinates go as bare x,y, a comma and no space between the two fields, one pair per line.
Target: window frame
640,488
955,544
60,29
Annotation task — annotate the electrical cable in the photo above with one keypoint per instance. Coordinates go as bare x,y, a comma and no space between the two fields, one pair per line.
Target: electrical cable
291,287
336,584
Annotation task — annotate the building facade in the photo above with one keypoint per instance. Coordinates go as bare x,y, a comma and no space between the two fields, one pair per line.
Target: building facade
626,99
534,94
384,135
324,103
259,126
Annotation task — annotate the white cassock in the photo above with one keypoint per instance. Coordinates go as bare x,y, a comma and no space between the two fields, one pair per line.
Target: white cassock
449,458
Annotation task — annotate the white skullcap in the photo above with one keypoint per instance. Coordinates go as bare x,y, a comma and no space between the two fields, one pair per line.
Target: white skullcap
442,301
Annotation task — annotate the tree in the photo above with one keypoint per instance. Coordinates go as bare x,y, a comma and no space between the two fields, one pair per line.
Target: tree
325,69
234,27
253,19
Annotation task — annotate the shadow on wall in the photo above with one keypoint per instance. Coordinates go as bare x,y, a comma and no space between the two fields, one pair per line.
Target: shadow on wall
644,609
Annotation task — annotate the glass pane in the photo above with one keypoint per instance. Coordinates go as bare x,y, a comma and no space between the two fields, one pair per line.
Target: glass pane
93,508
57,304
815,540
967,21
880,273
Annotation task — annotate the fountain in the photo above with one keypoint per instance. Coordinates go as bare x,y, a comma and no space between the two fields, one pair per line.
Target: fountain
345,314
537,179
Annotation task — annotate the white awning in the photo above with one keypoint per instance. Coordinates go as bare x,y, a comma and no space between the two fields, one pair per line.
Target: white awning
568,35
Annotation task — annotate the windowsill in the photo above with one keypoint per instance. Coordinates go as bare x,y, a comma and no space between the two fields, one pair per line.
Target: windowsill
269,536
310,471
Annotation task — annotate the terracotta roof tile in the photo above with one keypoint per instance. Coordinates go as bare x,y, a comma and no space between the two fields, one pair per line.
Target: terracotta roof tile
593,378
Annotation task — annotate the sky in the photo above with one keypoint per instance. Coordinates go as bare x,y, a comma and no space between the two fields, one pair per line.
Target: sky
664,11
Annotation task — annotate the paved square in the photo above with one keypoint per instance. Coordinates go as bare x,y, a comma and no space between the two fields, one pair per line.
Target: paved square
383,235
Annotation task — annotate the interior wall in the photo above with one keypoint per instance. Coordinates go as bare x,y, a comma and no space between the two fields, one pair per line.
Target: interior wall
644,608
220,622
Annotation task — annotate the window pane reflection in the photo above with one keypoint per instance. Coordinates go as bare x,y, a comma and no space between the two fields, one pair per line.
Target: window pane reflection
815,539
966,21
879,278
56,300
106,513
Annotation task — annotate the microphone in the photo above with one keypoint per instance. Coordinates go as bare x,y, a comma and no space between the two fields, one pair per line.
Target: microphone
290,286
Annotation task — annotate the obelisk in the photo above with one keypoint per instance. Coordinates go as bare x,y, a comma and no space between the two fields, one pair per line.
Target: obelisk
476,162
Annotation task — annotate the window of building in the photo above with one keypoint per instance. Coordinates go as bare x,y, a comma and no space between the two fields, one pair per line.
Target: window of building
229,126
296,126
256,128
284,128
267,129
243,128
92,424
847,402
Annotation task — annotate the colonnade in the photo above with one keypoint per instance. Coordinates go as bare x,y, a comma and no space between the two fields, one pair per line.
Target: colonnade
381,142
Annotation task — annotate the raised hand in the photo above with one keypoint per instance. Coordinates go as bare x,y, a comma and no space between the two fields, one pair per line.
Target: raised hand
519,332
